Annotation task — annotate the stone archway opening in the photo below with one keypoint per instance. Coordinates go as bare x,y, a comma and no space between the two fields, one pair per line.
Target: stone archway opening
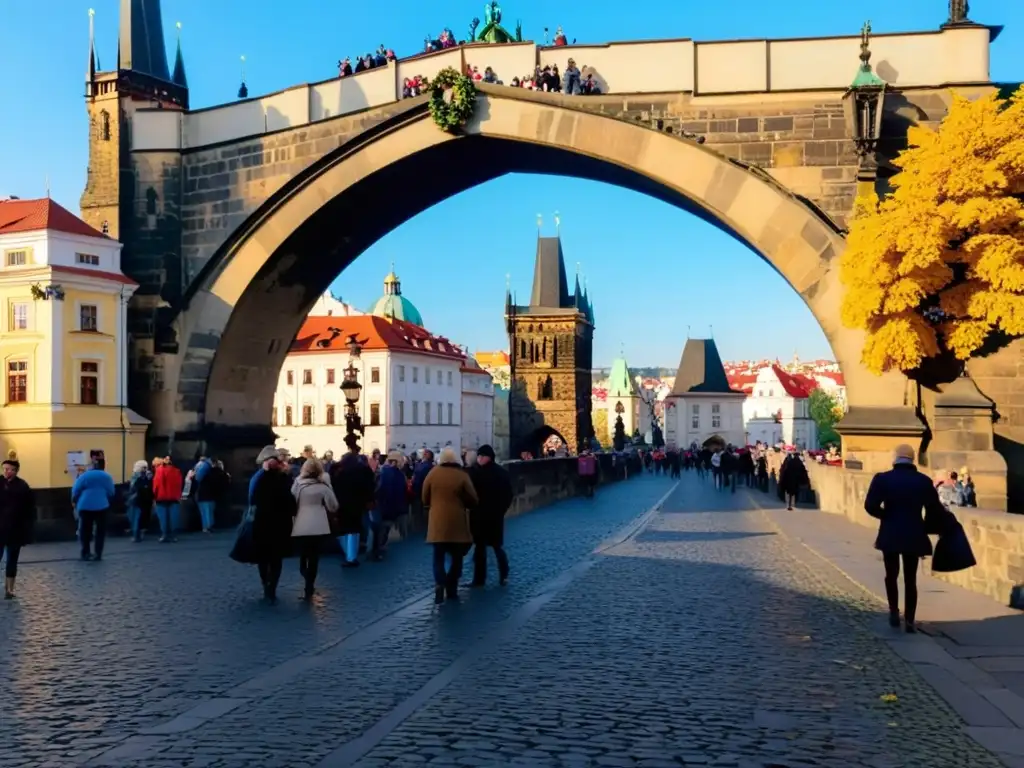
248,305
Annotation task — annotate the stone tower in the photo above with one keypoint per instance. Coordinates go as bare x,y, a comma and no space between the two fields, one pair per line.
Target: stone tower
622,390
141,80
551,355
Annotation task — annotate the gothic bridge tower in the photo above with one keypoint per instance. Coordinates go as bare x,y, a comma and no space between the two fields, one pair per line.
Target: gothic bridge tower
551,354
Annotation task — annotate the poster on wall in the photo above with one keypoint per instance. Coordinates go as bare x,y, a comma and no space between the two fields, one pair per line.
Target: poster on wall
75,459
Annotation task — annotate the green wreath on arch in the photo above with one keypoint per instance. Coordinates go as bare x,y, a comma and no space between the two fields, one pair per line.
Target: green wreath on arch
452,99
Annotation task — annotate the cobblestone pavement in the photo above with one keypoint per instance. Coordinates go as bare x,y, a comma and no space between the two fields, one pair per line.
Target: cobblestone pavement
706,639
98,655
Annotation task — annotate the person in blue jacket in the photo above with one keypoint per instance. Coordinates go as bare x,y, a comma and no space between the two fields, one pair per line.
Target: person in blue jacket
93,493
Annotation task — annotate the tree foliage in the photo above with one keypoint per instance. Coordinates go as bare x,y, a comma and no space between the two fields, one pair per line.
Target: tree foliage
619,436
825,412
601,429
939,263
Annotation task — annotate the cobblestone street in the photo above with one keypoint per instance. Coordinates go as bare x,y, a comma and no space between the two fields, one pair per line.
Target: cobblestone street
699,634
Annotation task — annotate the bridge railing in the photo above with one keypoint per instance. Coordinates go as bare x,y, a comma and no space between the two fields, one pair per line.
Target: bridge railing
714,70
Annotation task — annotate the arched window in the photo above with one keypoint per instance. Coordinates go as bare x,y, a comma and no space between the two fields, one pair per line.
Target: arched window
522,349
105,125
554,352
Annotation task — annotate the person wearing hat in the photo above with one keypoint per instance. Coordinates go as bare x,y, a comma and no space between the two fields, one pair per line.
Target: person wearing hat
898,498
17,514
494,492
448,495
270,496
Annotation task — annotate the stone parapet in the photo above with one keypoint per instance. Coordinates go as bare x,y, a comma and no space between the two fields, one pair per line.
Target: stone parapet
996,537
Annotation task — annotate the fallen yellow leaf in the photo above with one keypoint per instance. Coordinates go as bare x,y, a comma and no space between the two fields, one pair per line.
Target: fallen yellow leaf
889,697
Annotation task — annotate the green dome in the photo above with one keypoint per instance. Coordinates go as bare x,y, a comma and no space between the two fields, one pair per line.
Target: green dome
393,305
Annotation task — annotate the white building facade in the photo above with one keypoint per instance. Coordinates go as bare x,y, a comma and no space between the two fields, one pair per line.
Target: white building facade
702,408
477,407
411,381
778,410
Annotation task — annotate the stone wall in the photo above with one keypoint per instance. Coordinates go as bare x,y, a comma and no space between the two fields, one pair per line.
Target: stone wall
996,537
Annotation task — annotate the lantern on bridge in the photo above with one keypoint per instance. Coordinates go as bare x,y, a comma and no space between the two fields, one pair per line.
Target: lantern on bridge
863,107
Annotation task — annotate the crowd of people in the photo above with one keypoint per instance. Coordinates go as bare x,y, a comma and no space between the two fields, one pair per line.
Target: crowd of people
367,62
302,504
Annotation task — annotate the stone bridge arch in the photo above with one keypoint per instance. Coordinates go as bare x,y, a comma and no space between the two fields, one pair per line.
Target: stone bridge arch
244,308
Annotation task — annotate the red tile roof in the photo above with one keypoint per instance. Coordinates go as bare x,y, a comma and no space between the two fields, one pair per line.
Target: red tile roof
117,277
379,334
38,215
742,382
837,377
795,385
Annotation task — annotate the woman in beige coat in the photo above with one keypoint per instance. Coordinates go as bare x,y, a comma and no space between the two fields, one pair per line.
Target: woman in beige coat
448,495
316,505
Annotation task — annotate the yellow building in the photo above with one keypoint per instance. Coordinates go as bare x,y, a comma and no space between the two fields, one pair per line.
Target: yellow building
63,346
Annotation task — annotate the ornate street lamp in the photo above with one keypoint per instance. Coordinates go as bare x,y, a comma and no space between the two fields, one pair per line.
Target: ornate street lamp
863,106
351,388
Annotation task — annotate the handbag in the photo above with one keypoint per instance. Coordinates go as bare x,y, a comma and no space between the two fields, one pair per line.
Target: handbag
953,550
244,548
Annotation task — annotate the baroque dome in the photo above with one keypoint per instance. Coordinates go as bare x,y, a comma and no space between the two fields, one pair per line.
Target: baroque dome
393,305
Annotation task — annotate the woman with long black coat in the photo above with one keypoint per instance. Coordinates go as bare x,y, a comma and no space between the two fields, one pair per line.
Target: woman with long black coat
275,508
792,477
897,499
17,515
354,486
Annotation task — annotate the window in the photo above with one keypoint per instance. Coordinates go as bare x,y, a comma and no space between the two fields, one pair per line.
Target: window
91,259
19,316
771,393
375,375
401,373
330,414
17,381
307,376
374,414
17,258
426,412
105,125
415,374
451,420
401,411
330,379
695,421
105,227
89,384
449,378
273,417
415,411
426,375
288,415
88,318
307,415
439,406
716,416
290,377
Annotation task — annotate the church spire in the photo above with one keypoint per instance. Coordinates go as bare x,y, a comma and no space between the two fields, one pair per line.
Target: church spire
178,77
141,40
90,75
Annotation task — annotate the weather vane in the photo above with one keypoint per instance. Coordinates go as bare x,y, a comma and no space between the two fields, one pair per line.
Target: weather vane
540,221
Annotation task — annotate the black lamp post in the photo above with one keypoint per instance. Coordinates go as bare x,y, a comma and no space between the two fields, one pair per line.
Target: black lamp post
351,388
863,107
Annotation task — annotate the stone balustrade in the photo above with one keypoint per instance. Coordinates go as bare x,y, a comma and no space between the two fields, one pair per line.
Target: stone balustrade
996,537
716,70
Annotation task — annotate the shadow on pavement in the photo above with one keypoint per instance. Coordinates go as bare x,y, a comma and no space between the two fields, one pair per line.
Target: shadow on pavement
655,536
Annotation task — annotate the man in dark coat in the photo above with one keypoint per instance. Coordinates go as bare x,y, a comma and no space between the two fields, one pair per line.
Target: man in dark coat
897,498
487,519
17,514
354,485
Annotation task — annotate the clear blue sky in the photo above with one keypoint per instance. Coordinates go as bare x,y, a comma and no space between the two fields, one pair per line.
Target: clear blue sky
653,270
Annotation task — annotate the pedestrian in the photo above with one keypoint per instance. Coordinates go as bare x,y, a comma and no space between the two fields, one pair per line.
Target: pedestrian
586,467
273,509
392,502
792,477
728,469
716,468
17,515
167,489
93,493
494,493
896,498
353,484
448,494
205,492
423,468
139,500
316,504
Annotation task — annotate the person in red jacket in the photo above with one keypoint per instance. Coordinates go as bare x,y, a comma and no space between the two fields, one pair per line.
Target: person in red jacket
167,482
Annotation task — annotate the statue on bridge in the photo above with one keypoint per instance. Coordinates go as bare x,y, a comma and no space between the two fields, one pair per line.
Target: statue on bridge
492,31
958,12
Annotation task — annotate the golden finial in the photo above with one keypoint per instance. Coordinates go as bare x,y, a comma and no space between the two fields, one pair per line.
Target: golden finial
12,455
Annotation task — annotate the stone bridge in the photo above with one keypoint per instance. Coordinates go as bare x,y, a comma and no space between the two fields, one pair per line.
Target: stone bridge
236,218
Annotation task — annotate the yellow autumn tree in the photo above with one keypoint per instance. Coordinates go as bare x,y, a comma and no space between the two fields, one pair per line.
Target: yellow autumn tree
939,263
